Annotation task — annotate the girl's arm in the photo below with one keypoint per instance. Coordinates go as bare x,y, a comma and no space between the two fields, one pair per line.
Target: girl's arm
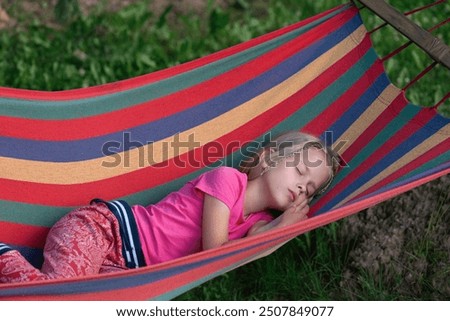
216,216
296,213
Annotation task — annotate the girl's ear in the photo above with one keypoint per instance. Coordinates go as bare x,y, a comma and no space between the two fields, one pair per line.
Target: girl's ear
266,162
268,158
258,165
264,159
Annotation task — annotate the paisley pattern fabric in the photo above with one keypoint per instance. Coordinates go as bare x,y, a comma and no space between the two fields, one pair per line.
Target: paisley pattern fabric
84,242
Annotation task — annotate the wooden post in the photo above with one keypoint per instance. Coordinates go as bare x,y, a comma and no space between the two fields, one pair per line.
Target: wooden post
432,45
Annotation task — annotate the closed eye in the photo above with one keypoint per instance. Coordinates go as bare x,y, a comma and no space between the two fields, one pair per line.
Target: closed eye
307,192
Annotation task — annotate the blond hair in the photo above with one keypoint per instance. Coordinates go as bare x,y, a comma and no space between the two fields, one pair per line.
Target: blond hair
286,145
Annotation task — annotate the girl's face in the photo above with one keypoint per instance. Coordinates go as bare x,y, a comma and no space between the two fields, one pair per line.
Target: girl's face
302,174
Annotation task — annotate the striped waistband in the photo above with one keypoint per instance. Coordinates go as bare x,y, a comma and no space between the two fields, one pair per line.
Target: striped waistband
131,244
4,248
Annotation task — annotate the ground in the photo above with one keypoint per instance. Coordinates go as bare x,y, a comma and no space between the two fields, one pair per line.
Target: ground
407,237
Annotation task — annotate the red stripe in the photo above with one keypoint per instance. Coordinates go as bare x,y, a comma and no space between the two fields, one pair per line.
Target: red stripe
156,289
333,112
145,291
115,187
431,154
151,289
23,235
383,120
352,208
375,128
83,128
78,194
135,82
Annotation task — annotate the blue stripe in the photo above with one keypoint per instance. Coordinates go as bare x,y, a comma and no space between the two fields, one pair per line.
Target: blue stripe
124,99
313,108
424,132
126,281
405,181
360,106
95,147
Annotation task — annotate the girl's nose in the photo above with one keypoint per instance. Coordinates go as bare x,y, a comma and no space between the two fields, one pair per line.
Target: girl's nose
301,189
302,192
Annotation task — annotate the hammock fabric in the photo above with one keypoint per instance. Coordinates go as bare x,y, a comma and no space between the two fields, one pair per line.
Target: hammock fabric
59,150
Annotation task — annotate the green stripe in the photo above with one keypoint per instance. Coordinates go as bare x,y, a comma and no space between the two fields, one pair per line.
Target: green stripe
55,110
328,96
180,290
371,147
46,216
318,104
434,163
31,214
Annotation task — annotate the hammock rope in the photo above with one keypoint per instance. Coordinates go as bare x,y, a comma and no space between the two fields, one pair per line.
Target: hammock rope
440,102
432,45
320,75
383,10
408,43
420,75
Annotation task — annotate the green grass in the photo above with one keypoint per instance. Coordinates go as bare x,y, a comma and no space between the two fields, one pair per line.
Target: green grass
81,51
104,47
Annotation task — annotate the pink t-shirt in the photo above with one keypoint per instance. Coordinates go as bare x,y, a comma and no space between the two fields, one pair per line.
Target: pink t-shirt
172,228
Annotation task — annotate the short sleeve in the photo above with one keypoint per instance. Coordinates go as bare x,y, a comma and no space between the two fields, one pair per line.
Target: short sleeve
224,183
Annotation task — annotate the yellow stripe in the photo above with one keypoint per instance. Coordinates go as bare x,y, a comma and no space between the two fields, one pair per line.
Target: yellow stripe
93,170
413,154
368,117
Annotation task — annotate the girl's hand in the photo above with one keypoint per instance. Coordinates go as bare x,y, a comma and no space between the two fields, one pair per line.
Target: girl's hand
295,213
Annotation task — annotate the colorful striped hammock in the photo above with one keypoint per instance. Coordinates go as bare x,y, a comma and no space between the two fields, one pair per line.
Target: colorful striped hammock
59,150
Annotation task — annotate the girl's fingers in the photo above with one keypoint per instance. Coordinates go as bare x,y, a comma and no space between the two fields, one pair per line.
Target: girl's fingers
300,203
302,208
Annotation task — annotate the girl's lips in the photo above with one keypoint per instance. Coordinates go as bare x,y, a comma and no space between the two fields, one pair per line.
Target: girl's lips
293,195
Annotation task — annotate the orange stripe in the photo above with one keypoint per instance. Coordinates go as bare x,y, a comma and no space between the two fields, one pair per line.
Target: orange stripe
94,170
